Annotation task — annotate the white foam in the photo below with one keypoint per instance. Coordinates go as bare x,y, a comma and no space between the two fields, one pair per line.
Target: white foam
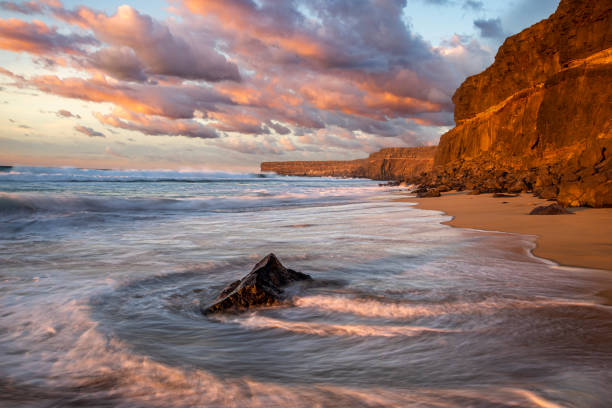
326,329
376,309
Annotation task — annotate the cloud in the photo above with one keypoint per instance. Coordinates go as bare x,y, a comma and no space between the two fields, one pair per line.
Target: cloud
171,101
38,38
251,146
154,47
88,131
110,151
156,126
473,5
19,80
63,113
490,28
255,76
27,7
278,128
120,62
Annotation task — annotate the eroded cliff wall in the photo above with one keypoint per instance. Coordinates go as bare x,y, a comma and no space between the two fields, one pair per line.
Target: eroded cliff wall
398,163
540,117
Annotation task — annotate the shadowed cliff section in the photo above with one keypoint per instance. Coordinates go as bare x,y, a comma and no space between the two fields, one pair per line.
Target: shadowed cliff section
540,117
396,163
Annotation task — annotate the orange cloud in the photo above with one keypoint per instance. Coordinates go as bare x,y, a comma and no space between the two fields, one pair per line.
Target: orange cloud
37,38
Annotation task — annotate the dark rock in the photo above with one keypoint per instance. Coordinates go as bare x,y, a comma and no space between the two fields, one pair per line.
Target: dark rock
553,209
502,195
263,286
429,193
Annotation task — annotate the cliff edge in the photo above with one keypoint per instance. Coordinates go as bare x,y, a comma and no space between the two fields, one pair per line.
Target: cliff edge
540,117
395,163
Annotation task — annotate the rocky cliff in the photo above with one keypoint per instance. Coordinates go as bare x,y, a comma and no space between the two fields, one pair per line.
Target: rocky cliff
397,163
540,117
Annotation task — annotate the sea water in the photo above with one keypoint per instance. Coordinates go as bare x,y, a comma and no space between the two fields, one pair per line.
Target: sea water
102,273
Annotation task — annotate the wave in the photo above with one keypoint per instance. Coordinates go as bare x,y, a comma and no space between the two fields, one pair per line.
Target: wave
72,175
86,366
69,174
326,329
12,203
376,309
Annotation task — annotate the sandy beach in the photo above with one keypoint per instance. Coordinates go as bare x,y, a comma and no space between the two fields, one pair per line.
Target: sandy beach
583,239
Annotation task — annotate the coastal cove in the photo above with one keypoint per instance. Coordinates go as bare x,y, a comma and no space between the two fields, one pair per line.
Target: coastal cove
105,271
306,204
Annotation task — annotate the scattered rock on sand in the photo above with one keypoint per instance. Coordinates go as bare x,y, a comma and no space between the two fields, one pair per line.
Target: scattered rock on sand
432,192
502,195
261,287
553,209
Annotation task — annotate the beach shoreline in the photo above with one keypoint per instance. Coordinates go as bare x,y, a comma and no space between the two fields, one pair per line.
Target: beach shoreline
582,239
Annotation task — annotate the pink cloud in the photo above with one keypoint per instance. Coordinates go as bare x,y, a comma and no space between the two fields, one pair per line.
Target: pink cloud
152,125
38,38
293,78
159,51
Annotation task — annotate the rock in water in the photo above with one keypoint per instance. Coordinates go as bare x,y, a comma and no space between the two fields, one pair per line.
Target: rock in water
261,287
553,209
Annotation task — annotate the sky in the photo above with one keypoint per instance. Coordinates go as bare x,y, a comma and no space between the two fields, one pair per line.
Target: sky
227,84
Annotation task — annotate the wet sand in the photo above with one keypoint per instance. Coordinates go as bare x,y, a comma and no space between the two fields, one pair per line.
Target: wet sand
583,239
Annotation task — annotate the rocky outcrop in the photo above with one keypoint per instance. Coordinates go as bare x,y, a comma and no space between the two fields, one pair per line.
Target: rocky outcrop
540,117
397,163
263,286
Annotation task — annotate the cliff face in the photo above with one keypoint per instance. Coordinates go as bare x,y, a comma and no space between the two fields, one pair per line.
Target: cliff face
540,116
398,163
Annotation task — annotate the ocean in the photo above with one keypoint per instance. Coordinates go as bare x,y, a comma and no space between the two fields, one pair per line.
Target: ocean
102,272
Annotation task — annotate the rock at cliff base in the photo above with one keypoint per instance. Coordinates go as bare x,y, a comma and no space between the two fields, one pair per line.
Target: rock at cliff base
553,209
548,192
503,195
263,286
595,191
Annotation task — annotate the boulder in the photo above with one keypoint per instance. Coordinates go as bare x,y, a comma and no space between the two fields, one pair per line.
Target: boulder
553,209
263,286
433,192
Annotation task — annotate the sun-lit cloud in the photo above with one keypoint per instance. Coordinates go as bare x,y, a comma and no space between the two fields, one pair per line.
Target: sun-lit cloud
155,125
254,77
38,38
